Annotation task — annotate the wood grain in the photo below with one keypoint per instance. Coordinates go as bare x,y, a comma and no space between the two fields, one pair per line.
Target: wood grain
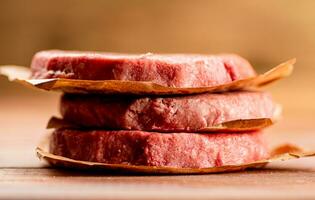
58,184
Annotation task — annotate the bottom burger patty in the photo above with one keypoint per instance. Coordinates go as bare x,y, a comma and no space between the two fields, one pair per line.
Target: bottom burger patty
191,150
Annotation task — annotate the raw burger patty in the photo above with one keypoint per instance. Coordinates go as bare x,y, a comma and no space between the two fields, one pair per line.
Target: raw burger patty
190,150
173,70
170,114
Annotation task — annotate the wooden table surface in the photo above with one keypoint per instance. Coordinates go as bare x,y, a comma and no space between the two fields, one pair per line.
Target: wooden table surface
24,114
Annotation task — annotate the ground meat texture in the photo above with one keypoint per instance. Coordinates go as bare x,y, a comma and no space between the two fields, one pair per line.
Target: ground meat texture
190,150
174,70
169,114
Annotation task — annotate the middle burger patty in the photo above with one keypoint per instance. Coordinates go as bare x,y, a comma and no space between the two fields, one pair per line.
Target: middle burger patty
185,113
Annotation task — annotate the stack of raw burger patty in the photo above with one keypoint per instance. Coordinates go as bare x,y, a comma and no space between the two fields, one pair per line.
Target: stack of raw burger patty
156,130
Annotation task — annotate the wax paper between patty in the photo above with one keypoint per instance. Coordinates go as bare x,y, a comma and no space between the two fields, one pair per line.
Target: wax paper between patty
281,153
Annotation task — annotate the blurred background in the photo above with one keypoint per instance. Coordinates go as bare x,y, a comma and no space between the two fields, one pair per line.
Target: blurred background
265,32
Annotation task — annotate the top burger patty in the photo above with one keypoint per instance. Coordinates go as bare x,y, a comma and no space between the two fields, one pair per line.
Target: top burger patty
174,70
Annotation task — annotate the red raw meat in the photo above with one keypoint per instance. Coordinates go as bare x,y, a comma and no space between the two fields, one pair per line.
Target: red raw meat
183,150
173,70
168,114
